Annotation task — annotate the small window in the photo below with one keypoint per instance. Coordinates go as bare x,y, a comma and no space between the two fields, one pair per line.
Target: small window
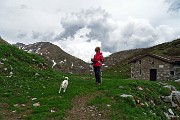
152,61
139,61
172,72
140,72
134,61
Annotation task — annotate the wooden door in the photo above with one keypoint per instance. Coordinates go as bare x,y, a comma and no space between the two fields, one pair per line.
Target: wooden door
153,74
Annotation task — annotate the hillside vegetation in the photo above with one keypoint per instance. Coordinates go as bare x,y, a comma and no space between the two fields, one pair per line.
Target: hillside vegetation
171,49
29,90
2,41
26,79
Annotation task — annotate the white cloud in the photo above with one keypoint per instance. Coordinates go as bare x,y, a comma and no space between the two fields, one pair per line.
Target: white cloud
80,46
164,33
113,35
79,26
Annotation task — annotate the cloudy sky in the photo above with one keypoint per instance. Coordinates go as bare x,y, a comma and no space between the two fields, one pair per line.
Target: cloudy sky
78,26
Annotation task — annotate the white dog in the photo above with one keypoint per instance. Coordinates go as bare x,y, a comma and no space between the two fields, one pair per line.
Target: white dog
64,85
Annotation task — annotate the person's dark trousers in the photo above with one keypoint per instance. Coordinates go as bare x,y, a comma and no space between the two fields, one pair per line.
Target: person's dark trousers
97,74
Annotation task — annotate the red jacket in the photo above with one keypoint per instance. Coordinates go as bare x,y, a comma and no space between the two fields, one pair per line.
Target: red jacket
98,59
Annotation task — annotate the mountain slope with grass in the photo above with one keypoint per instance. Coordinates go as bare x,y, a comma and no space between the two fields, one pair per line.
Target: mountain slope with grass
2,41
29,90
168,49
26,80
56,57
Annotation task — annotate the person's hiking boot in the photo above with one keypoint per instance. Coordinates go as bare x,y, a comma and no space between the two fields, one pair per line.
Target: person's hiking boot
98,83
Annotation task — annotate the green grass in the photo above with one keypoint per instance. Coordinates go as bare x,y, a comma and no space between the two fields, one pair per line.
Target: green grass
25,85
126,108
22,90
121,70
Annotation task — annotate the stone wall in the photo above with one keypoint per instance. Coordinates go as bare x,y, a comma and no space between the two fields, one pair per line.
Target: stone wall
140,69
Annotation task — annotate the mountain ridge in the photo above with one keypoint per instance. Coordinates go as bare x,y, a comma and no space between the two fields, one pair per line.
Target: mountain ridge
56,57
64,62
2,41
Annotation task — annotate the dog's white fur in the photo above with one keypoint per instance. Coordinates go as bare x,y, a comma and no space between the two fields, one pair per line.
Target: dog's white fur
64,84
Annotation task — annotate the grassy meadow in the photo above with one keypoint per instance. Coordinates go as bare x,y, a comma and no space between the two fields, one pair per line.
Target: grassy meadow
25,79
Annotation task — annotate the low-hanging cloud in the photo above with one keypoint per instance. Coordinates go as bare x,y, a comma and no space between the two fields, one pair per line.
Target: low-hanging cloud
43,36
113,35
174,5
94,19
22,35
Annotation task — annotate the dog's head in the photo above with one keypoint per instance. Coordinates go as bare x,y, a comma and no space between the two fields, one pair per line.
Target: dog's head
66,78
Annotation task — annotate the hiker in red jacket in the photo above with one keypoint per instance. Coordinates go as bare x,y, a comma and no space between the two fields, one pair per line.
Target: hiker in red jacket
97,62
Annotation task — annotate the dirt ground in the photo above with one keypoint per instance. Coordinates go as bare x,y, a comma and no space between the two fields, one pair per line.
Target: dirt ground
81,110
7,115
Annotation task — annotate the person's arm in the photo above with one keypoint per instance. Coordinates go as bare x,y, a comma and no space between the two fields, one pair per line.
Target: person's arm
102,59
92,59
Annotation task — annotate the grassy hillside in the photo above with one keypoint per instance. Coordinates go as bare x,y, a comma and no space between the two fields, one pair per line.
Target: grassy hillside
167,49
3,41
25,76
25,79
126,108
121,70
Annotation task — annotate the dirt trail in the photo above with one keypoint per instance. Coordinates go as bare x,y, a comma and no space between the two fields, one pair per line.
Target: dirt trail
81,110
5,114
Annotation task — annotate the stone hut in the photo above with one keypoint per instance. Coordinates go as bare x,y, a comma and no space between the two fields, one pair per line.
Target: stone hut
153,67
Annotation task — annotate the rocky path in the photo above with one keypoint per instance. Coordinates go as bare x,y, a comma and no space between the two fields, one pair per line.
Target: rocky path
81,110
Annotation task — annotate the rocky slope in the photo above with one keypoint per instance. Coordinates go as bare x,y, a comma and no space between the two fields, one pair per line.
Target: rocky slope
118,57
3,41
57,58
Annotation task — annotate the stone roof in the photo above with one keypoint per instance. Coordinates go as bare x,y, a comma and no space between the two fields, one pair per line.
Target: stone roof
173,60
